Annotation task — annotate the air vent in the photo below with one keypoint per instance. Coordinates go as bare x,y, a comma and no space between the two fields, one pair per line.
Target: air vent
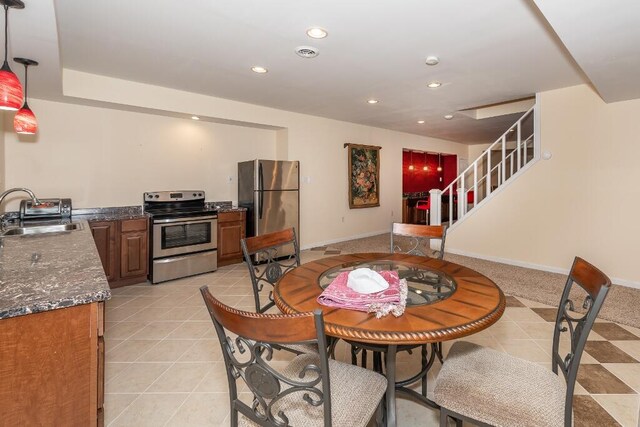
307,51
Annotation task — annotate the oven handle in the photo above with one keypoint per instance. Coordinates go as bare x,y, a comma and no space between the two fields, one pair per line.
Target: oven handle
183,220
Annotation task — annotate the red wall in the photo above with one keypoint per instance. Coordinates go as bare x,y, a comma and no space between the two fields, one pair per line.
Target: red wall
419,180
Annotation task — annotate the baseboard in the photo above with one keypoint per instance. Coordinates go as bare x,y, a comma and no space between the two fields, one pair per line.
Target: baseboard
344,239
517,263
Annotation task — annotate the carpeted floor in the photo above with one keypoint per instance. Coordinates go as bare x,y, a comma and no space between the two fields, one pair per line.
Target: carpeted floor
621,305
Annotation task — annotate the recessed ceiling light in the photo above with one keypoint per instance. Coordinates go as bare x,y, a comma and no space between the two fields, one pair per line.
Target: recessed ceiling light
195,118
373,101
434,85
448,116
432,60
317,33
258,69
420,122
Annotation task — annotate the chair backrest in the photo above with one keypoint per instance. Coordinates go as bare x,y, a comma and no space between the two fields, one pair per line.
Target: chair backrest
595,284
419,238
268,257
247,341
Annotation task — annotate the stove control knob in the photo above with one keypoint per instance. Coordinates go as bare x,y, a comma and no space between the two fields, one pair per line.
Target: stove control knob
149,196
156,196
200,194
194,194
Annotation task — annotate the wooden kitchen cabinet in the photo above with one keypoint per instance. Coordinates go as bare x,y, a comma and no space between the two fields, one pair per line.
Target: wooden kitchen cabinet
231,228
123,249
52,367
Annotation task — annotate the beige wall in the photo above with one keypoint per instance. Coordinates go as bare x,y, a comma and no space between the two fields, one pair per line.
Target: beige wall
584,201
106,157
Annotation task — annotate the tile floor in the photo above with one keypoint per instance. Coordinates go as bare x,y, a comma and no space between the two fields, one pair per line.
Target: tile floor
164,366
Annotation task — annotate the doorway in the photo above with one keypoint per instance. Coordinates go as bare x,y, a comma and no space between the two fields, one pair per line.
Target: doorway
423,171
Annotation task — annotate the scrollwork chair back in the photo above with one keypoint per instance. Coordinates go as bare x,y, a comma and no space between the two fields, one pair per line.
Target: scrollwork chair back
417,239
596,285
267,263
247,341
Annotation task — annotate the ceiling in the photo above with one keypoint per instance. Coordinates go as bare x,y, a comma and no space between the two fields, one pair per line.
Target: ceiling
490,52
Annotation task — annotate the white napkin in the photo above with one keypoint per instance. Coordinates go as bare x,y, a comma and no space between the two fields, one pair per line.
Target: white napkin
366,281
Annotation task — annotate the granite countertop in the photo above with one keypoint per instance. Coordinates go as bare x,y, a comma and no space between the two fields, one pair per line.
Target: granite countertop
108,214
49,271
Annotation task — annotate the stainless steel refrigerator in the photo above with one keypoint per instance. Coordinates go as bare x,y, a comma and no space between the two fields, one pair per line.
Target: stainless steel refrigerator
270,190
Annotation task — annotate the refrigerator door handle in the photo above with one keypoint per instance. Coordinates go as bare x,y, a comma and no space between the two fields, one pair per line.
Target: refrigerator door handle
260,190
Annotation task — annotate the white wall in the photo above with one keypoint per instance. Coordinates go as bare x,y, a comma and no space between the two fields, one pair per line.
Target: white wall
105,157
584,201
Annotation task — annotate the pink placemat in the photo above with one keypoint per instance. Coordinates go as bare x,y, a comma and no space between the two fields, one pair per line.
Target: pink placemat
392,300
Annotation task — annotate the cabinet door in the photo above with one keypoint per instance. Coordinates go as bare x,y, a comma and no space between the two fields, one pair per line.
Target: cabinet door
104,235
133,254
229,235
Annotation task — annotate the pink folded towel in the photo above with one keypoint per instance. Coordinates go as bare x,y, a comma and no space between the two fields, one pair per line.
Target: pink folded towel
391,300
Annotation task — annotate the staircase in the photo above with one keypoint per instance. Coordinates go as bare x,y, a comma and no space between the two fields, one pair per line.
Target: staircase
499,165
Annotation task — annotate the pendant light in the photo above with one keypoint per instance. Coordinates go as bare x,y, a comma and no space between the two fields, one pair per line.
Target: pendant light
425,168
10,88
411,162
25,121
439,165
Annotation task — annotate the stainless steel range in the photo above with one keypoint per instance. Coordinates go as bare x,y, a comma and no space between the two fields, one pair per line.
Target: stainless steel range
183,236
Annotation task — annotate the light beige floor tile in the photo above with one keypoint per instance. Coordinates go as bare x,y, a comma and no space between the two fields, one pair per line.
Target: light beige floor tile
179,313
156,330
412,414
151,314
564,349
130,350
627,372
112,369
522,314
181,377
150,410
201,315
538,330
507,330
207,350
141,301
136,378
624,408
166,351
202,410
215,380
630,347
114,404
191,330
631,329
532,304
525,349
123,330
120,313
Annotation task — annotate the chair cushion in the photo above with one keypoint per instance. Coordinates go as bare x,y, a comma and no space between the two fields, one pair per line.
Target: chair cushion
499,389
355,395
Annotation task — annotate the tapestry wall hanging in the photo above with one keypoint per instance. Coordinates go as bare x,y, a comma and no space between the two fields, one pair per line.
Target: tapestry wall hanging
364,176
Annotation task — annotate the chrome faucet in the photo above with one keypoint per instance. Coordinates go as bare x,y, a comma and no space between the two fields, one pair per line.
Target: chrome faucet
34,199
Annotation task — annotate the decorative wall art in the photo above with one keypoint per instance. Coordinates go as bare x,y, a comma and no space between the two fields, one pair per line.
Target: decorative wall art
364,176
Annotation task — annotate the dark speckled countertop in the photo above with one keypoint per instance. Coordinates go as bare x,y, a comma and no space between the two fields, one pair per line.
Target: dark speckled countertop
49,271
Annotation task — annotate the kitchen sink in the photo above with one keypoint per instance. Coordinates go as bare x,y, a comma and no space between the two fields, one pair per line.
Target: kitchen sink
42,229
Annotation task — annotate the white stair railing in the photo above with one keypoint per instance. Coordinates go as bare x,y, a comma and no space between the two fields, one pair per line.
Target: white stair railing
473,186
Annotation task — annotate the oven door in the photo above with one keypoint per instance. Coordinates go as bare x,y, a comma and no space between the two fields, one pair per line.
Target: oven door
177,236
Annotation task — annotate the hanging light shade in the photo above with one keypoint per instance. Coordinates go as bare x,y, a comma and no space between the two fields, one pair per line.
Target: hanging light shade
411,162
439,165
25,121
10,88
425,168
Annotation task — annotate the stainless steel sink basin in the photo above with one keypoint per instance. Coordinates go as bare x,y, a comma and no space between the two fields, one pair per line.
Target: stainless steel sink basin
42,229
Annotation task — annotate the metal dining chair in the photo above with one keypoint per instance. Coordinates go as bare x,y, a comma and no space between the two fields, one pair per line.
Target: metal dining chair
310,390
415,239
488,387
269,257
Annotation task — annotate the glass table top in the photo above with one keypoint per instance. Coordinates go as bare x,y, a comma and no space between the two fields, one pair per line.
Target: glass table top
425,285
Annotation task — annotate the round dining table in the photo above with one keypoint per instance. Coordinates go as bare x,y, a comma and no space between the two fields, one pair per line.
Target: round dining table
445,301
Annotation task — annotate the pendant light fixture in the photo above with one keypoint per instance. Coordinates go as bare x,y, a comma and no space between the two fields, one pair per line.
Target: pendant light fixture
411,162
439,164
25,121
10,88
425,168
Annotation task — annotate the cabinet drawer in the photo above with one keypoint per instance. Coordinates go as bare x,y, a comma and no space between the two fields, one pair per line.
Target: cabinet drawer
133,225
230,216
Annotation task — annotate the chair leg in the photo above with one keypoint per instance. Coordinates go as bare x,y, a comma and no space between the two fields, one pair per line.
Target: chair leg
354,355
364,358
424,365
444,419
